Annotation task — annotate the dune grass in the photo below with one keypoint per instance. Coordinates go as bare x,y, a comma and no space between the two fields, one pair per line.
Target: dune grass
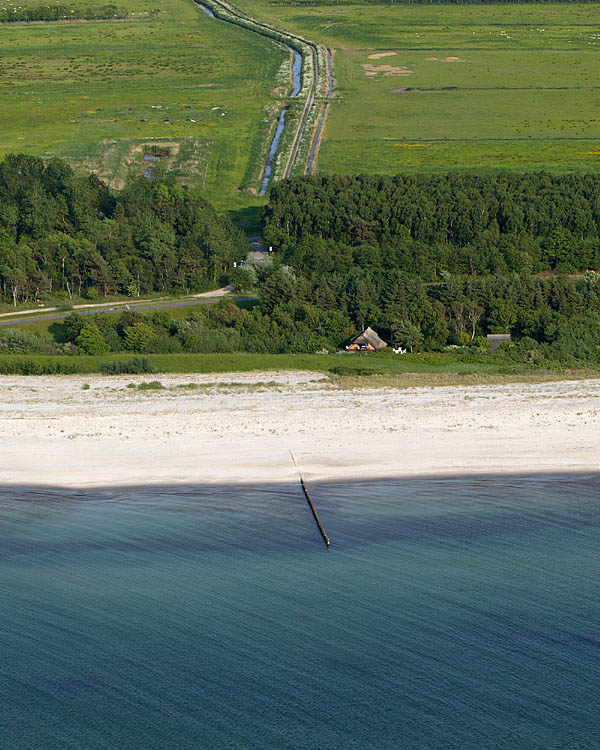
372,370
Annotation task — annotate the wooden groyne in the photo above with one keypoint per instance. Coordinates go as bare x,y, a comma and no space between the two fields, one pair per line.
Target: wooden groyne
311,505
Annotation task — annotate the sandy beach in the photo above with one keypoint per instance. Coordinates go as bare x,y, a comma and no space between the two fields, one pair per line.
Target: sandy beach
242,427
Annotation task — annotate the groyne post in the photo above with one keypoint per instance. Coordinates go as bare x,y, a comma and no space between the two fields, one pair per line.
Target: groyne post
311,505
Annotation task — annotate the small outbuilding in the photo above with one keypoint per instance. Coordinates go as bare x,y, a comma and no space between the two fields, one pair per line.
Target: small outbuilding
367,341
497,339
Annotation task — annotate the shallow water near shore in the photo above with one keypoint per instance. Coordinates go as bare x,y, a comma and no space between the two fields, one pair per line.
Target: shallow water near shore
449,613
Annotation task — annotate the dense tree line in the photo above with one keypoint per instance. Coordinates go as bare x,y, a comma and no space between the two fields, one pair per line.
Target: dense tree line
61,234
430,263
557,316
61,12
432,225
436,261
551,319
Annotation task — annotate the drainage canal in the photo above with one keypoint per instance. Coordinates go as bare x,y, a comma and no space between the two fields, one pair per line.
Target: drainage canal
207,10
296,86
272,152
319,130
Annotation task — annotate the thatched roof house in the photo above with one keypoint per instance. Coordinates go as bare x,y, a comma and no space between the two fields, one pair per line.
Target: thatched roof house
497,339
367,341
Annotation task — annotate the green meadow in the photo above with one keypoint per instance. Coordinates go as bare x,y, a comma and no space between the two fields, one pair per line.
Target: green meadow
474,87
98,93
454,87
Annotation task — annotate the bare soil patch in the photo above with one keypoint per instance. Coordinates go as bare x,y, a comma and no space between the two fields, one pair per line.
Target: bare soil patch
378,55
386,70
118,159
444,59
136,152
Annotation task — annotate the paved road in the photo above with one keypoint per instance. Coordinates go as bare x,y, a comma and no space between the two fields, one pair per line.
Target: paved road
121,308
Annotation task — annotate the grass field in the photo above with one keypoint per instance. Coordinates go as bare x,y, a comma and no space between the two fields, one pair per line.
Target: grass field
97,92
479,87
469,87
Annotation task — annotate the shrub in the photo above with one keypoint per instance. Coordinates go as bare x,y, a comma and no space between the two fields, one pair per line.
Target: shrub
18,341
73,324
243,279
482,342
127,319
139,337
344,370
153,385
227,313
165,344
38,367
211,340
114,341
135,366
162,322
91,341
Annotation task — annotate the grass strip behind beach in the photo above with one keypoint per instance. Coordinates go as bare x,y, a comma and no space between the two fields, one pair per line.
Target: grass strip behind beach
347,370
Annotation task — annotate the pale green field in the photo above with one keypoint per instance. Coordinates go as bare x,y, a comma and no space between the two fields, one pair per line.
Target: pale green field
502,26
512,87
96,92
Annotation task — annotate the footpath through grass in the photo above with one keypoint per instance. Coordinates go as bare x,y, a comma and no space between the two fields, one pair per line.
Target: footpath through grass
439,87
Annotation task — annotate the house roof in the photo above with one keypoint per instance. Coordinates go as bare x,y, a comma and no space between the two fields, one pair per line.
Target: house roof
497,339
368,336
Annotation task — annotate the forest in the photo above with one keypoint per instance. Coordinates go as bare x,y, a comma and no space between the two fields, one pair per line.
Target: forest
553,320
429,226
432,263
63,235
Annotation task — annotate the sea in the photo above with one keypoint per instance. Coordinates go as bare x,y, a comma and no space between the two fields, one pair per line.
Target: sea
448,613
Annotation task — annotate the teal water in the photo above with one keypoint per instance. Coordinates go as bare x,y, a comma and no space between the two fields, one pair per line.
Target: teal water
457,613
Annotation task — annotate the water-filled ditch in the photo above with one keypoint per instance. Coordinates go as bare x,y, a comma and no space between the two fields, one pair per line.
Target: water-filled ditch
319,130
151,158
207,10
296,86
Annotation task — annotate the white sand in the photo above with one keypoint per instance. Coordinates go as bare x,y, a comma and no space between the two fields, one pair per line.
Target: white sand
52,431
